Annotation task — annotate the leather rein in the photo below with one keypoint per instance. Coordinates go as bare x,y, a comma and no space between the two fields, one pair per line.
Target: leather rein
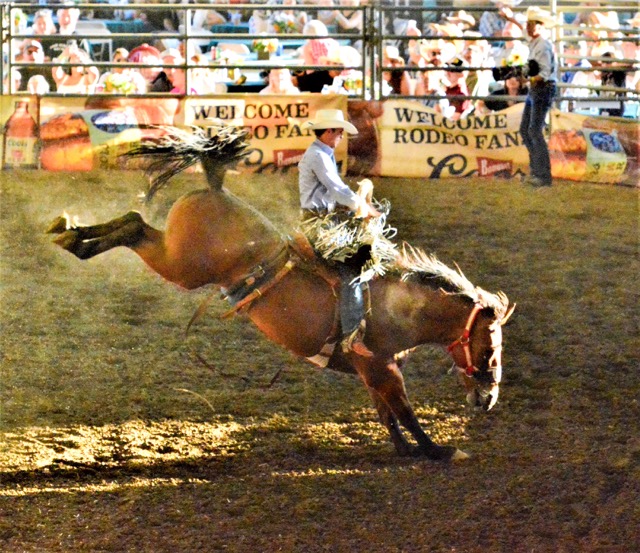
463,342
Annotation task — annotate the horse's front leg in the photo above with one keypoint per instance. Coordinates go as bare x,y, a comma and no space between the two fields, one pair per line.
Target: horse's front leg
389,421
385,378
88,241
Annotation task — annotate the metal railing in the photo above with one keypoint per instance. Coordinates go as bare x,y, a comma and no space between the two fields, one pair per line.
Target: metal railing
376,33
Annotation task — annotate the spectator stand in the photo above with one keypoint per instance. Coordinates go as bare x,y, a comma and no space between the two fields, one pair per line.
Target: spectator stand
434,21
242,72
594,40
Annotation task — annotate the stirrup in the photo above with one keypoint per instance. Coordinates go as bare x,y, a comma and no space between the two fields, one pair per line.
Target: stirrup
353,343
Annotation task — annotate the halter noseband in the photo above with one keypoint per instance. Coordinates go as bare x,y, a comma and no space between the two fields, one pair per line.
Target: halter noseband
463,342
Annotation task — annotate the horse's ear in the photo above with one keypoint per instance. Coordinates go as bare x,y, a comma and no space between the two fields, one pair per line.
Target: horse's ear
507,315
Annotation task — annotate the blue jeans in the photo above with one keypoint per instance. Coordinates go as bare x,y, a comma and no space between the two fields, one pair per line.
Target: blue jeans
536,107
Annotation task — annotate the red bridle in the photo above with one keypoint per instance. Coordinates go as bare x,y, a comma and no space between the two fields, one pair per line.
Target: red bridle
463,342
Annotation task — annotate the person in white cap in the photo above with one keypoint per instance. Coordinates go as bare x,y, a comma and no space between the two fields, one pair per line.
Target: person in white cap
543,75
321,192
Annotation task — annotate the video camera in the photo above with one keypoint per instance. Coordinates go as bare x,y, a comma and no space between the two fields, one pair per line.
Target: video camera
531,69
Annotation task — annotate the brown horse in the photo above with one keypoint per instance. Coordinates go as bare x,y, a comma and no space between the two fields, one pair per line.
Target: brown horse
213,237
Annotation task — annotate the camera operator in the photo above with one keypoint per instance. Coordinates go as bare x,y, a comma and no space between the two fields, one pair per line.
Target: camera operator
542,70
543,75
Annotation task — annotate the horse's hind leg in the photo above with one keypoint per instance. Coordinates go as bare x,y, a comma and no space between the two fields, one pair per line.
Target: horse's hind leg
88,241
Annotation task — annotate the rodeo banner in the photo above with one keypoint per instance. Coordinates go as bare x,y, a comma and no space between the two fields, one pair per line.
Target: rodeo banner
399,138
81,134
278,139
403,138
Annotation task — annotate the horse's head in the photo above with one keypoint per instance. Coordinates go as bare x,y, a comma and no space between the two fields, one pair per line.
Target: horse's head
477,354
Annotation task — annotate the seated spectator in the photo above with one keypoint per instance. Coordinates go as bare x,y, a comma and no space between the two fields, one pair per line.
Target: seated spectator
45,30
202,80
513,47
476,54
462,20
410,47
77,79
68,19
316,48
122,80
43,23
455,85
492,22
38,85
205,19
31,52
121,14
170,79
432,53
11,84
149,59
314,52
574,55
158,20
607,22
287,20
200,24
280,82
349,21
259,22
327,15
631,49
499,99
431,82
397,79
347,79
449,48
611,75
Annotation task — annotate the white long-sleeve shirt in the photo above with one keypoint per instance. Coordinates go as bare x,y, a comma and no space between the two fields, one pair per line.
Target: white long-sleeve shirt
541,50
320,184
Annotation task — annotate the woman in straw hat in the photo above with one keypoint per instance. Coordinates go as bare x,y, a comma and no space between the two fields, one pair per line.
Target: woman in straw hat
543,75
325,199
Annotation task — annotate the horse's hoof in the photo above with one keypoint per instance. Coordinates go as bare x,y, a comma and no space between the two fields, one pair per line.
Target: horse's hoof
459,455
66,240
440,453
59,225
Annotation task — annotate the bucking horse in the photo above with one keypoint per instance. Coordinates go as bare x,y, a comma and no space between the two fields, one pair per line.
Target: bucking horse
213,237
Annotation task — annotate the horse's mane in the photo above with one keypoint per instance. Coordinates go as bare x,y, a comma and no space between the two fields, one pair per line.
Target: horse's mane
216,147
418,266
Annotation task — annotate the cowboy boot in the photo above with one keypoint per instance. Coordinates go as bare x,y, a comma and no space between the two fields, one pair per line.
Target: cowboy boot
352,318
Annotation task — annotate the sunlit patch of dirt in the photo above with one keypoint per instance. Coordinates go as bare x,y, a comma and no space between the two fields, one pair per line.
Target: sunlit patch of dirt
110,445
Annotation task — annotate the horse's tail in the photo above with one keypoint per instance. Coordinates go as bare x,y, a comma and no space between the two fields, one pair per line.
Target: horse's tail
216,148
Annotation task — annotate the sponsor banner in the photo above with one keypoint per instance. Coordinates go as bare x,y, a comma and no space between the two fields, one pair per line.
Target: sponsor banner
595,149
278,140
403,138
81,134
398,138
19,117
411,140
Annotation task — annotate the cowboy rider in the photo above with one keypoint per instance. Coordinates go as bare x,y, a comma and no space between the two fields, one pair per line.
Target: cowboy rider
322,192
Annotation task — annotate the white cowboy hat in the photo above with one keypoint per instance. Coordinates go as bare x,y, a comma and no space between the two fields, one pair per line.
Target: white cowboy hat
534,13
461,16
330,119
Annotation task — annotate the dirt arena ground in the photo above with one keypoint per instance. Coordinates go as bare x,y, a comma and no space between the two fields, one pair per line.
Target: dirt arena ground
118,433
